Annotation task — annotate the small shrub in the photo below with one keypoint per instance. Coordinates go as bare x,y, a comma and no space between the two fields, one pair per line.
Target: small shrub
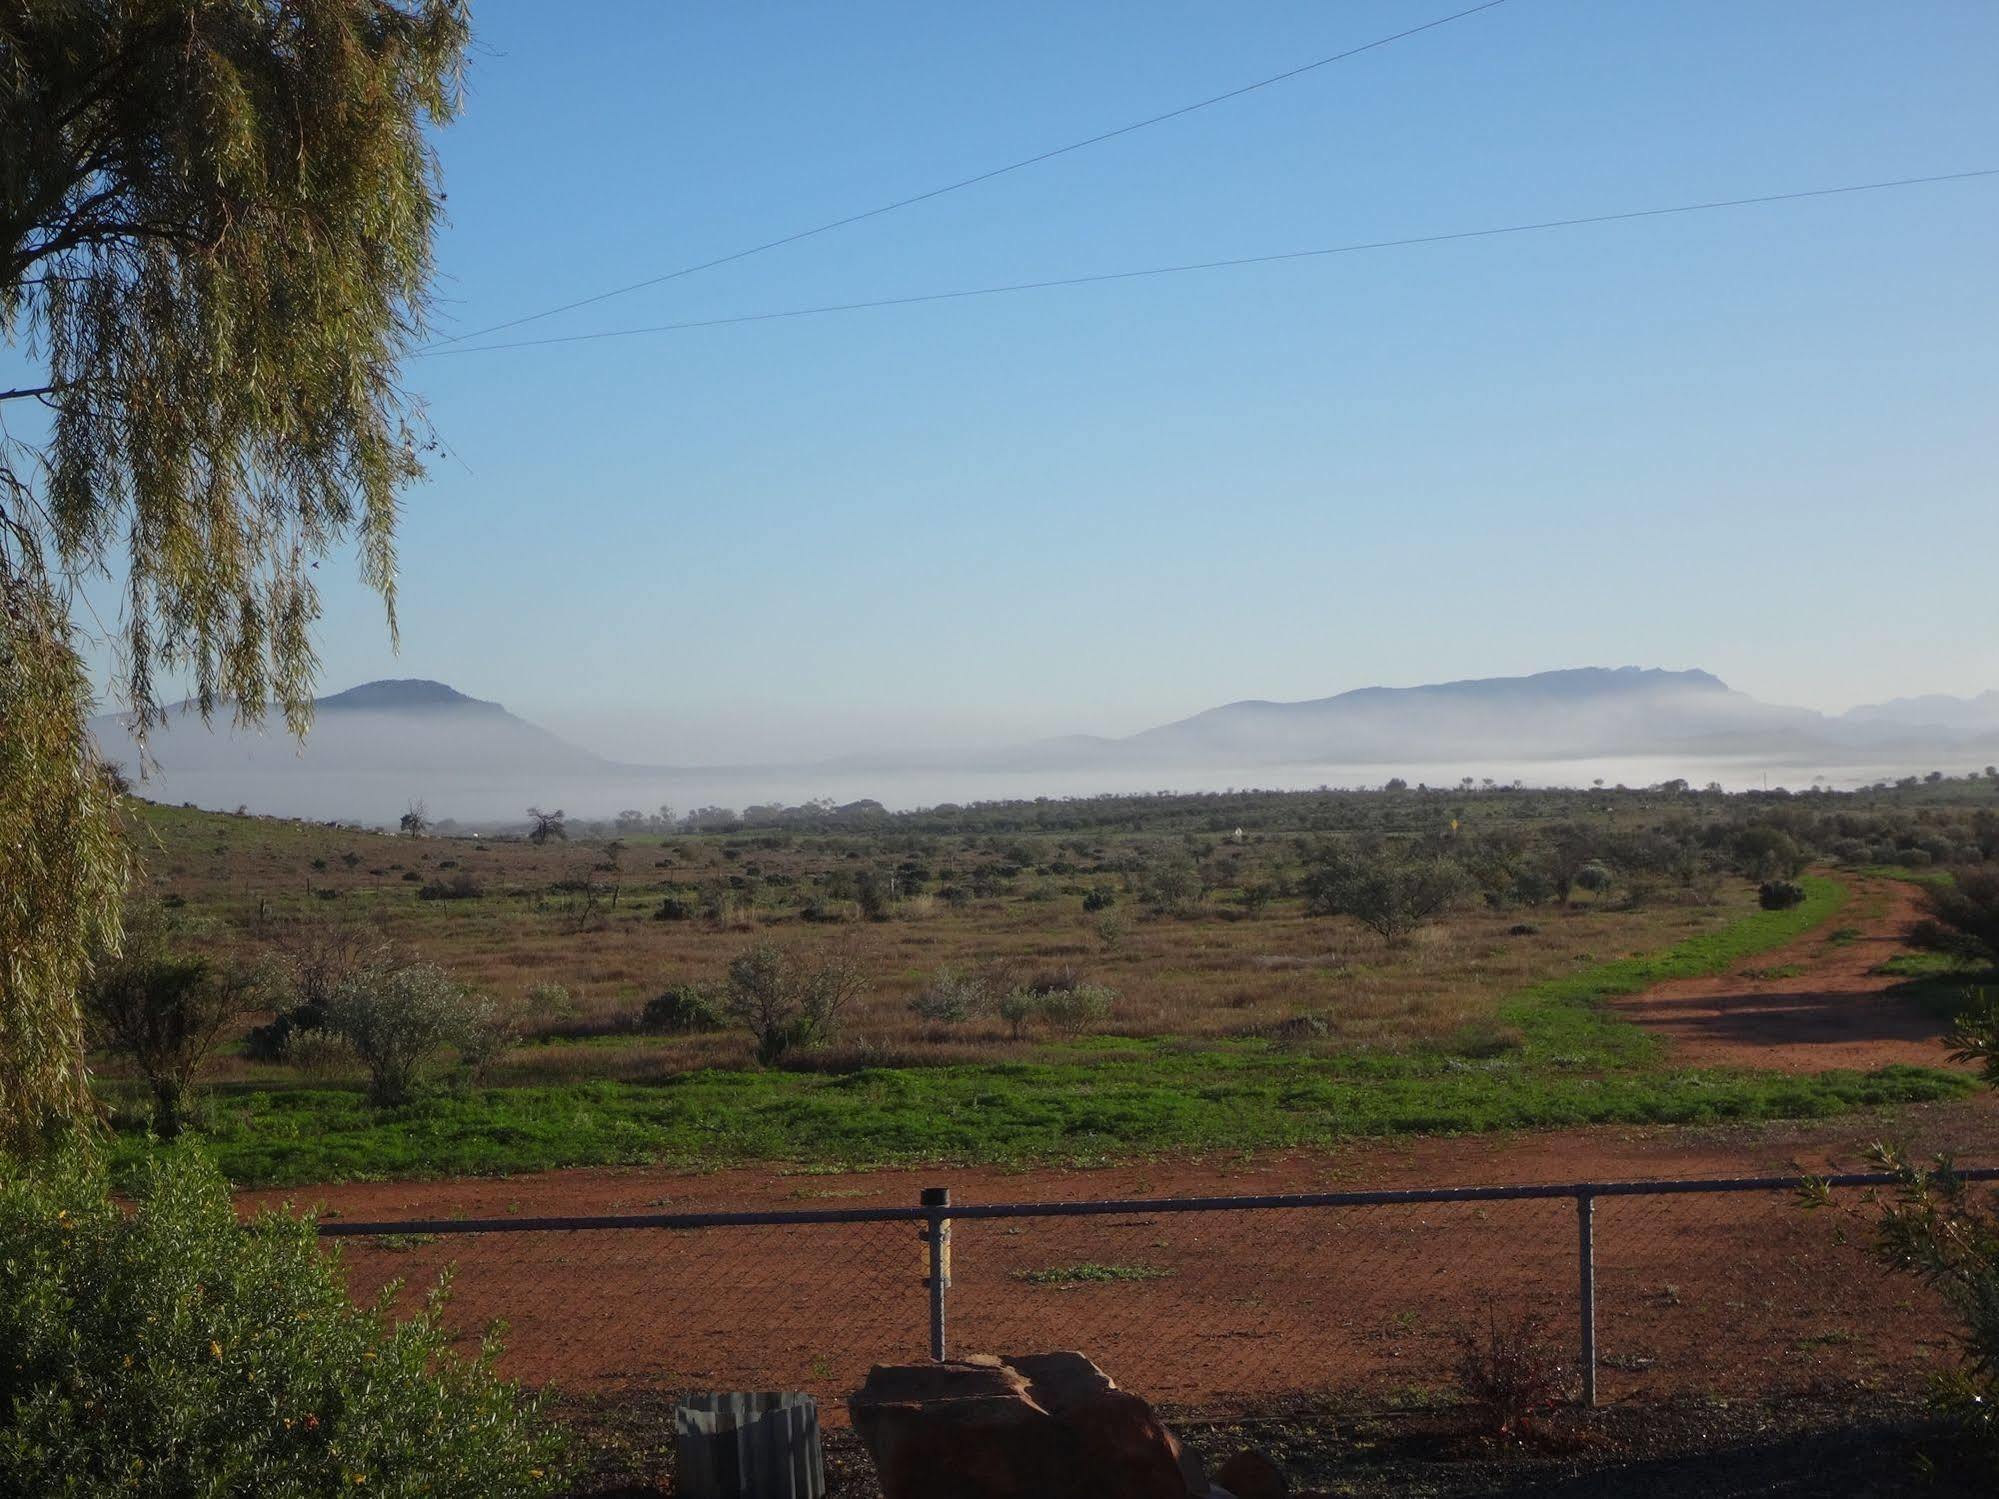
319,1056
458,887
162,1010
1961,917
1074,1007
549,1001
400,1018
674,908
1077,1008
951,996
1509,1371
1099,898
173,1350
1018,1007
1780,895
787,1002
682,1010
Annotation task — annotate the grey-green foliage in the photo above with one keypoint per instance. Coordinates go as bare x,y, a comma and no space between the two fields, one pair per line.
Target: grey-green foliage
951,996
403,1018
1069,1008
788,1001
1389,893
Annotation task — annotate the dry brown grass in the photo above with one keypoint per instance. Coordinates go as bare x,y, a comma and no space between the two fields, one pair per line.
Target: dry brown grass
548,915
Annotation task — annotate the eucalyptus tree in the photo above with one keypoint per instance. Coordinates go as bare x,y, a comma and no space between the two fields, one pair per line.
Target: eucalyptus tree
216,232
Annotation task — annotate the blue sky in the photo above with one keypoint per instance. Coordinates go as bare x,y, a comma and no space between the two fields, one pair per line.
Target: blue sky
1758,441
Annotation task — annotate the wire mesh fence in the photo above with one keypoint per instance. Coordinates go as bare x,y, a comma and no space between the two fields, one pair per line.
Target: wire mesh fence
1216,1305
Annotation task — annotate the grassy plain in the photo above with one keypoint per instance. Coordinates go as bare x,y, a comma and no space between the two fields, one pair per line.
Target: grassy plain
1241,1022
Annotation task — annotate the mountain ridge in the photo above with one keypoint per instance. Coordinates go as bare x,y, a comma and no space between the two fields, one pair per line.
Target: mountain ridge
376,744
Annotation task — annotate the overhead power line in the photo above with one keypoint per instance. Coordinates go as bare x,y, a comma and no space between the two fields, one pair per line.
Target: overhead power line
1184,267
965,182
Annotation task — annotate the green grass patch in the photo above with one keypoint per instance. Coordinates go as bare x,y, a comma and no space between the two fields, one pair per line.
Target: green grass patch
1566,1018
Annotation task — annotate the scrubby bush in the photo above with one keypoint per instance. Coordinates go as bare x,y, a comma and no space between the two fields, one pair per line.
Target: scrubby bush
458,887
951,996
319,1056
1066,1004
549,1000
674,908
1099,898
682,1010
788,1002
1944,1230
310,960
1078,1007
1764,852
1780,895
1389,895
401,1018
1961,916
1595,878
162,1010
172,1350
1509,1371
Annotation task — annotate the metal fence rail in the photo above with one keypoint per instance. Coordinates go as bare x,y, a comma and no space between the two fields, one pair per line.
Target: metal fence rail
1219,1302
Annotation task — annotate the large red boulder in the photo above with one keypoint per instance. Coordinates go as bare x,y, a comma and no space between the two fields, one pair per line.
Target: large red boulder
1051,1425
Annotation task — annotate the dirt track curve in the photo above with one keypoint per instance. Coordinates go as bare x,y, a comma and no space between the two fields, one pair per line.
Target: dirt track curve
1833,1011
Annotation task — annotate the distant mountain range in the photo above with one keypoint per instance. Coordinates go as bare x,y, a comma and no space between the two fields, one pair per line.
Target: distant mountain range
374,746
1573,714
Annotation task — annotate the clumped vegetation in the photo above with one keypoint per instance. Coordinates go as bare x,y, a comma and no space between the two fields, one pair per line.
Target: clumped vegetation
789,1002
401,1018
1390,895
682,1010
1961,916
174,1349
1780,895
162,1010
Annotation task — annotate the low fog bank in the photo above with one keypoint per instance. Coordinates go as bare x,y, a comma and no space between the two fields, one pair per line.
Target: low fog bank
475,801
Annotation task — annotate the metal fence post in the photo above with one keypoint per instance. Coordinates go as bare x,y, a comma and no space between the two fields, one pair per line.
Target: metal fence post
1586,1290
937,1200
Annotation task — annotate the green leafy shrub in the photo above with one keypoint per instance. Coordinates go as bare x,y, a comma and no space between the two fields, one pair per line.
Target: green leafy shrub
682,1010
1780,895
175,1351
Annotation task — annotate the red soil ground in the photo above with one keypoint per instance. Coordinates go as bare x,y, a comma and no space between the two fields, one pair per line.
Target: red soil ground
1738,1293
1833,1013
